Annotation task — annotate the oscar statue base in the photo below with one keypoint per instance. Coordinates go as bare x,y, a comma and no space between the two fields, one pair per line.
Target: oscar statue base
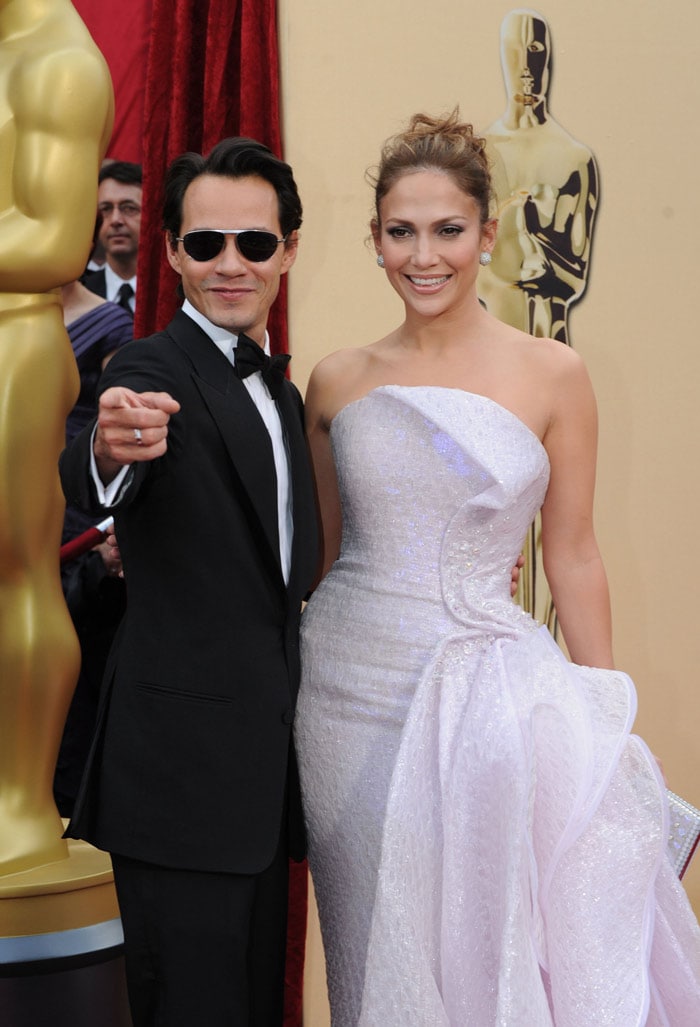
61,958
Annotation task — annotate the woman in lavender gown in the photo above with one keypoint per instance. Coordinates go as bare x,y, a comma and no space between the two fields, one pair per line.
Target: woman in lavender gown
487,837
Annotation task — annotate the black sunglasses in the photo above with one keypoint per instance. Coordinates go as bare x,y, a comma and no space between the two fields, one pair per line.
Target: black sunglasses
207,243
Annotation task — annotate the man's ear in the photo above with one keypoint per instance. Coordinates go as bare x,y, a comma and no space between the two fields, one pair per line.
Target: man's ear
172,252
290,251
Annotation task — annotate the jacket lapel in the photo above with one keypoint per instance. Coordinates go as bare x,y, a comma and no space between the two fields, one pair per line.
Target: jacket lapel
242,429
304,541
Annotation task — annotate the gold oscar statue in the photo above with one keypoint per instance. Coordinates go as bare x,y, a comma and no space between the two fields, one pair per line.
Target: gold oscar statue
56,113
546,188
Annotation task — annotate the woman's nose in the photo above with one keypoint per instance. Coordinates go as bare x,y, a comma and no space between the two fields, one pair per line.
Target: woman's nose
424,252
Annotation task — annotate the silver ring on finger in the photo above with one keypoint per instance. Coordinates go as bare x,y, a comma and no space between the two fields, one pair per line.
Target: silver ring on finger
138,437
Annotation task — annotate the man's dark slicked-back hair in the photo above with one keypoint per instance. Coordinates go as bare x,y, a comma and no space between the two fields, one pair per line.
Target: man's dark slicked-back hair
236,157
123,171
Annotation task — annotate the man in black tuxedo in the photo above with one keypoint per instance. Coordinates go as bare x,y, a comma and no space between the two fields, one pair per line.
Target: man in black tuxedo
119,194
199,451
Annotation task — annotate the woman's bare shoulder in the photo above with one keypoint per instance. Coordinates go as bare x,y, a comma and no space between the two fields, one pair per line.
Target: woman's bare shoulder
340,363
548,358
348,369
338,379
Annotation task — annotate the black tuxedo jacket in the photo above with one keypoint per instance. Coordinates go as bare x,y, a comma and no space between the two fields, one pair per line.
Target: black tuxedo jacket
96,282
192,763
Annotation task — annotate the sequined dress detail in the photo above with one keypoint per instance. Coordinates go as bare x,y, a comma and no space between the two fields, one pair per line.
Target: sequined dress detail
487,838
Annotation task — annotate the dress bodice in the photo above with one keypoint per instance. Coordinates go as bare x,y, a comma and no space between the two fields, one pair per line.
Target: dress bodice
438,489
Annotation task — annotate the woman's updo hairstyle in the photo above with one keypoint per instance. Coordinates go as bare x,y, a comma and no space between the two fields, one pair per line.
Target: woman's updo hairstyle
436,144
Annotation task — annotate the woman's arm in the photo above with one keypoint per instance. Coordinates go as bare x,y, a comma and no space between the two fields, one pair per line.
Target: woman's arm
328,500
572,561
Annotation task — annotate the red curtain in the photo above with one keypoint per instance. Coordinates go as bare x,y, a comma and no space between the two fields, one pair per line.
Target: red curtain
212,71
120,29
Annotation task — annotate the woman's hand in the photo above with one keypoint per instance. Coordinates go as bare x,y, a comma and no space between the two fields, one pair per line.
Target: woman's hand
515,574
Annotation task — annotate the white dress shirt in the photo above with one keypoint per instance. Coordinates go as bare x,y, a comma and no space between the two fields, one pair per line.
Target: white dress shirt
267,408
113,284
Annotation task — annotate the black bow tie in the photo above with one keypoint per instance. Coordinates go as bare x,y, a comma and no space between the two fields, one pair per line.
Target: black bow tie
249,358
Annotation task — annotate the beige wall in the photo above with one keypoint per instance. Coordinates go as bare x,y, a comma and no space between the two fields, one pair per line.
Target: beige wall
625,82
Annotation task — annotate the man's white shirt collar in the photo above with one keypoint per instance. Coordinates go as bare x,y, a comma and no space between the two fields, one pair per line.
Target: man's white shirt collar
225,340
113,283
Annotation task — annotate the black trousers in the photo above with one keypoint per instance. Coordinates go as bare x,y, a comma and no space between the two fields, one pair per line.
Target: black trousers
204,948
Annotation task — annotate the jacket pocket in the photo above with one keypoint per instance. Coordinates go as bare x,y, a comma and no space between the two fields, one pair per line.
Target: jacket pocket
183,695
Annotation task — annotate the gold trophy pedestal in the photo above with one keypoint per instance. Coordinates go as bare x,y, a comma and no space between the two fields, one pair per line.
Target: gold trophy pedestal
61,959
